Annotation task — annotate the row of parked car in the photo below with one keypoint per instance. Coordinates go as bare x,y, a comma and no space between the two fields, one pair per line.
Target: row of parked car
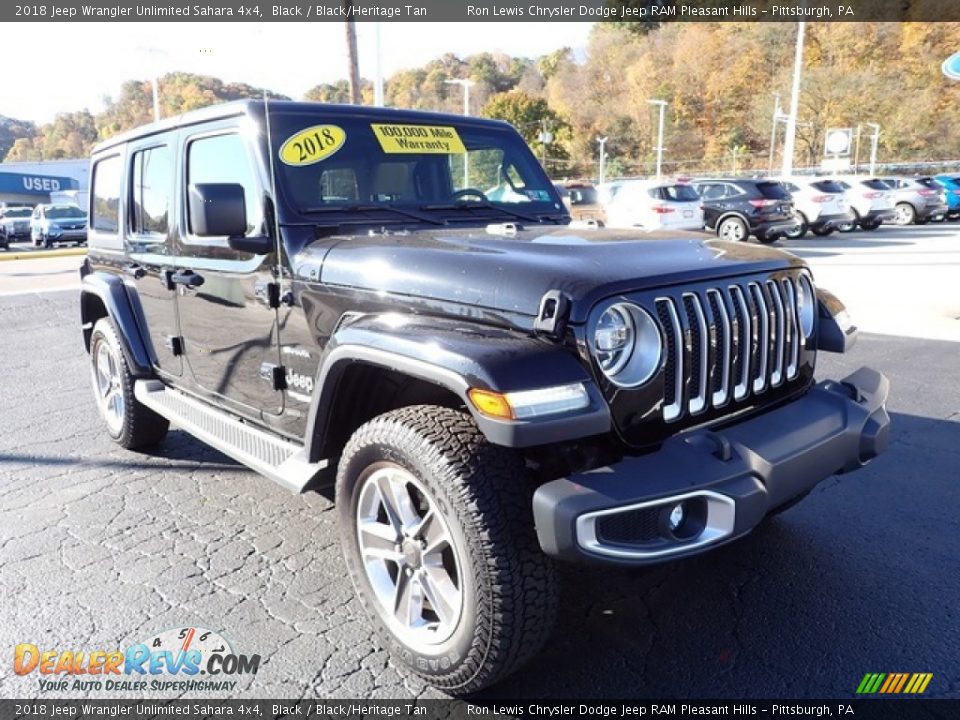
767,208
45,225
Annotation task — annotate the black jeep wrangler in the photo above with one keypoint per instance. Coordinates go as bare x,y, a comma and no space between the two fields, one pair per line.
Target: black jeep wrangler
396,303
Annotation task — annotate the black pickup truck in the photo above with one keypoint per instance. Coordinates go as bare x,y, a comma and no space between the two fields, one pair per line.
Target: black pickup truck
397,304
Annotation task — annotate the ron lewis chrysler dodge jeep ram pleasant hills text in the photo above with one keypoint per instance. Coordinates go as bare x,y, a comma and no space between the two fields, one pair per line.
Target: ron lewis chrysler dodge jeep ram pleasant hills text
397,304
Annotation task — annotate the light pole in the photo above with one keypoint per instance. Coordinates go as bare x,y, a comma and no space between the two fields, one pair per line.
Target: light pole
791,135
663,107
545,137
465,84
874,139
602,141
773,129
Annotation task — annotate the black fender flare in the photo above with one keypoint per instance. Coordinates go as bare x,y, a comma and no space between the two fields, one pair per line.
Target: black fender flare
459,355
835,332
110,291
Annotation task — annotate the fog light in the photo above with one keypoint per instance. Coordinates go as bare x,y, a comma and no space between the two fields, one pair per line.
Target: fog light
677,516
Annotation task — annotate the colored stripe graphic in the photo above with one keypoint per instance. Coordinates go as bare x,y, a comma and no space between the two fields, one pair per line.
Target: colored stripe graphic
894,683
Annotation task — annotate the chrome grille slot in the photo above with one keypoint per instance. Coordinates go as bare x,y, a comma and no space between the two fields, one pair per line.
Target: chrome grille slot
722,367
793,323
699,348
762,335
723,344
674,381
776,376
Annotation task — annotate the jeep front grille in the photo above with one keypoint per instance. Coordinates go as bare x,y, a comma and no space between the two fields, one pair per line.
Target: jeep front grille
728,342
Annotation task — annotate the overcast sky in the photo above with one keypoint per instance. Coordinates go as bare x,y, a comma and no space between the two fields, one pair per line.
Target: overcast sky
93,59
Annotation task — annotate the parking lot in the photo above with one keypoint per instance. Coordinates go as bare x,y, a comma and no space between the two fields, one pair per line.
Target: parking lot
101,547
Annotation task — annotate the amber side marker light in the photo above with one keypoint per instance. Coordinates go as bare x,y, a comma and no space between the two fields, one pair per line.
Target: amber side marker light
527,404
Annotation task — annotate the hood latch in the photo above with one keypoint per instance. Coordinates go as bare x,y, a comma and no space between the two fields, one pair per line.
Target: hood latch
552,316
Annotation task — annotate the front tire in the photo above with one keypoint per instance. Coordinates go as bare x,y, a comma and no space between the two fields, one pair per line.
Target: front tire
849,227
822,231
801,228
437,532
129,423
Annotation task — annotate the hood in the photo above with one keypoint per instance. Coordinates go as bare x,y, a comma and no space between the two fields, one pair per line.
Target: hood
510,273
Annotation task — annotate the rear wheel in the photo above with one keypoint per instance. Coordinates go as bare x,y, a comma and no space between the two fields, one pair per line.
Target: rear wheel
768,239
129,423
733,229
906,214
822,231
870,225
437,531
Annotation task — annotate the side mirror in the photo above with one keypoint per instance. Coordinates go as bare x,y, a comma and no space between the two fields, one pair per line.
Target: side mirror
217,209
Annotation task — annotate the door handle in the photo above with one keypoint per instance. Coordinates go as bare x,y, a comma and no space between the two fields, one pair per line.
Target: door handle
186,277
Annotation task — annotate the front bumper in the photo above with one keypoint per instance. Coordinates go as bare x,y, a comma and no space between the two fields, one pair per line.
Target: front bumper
727,479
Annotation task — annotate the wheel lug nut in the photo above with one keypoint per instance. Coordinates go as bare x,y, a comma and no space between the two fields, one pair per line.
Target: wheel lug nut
409,571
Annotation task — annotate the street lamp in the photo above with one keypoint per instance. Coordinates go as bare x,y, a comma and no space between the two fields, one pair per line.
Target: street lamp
773,128
663,107
874,139
602,141
791,134
465,84
545,137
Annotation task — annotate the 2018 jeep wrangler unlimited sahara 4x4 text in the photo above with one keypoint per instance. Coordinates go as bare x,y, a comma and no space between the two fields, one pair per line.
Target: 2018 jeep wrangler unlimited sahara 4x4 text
396,303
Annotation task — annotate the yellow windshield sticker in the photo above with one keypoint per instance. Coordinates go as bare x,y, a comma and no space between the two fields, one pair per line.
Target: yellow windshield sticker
312,145
433,139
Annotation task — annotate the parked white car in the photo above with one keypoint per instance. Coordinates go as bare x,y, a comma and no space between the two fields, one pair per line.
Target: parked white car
918,200
655,205
820,205
871,201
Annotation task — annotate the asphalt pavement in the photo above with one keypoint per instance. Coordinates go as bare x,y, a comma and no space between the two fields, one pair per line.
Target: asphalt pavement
101,548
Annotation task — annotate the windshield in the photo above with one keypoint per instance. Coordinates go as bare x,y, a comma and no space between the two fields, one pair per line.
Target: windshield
350,162
62,212
17,213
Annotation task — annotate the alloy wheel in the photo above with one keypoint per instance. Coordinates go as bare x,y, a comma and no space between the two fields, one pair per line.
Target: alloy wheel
409,557
107,384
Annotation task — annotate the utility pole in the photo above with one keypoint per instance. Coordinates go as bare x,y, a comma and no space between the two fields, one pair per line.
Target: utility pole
791,135
874,139
663,107
602,141
354,63
773,129
378,80
856,150
545,137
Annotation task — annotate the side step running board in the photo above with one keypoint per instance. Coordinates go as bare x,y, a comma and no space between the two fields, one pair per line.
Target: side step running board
282,461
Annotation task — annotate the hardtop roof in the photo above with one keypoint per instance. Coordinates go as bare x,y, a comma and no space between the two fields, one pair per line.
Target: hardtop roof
254,109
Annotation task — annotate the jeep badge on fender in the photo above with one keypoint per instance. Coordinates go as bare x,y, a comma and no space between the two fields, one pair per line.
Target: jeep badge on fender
396,303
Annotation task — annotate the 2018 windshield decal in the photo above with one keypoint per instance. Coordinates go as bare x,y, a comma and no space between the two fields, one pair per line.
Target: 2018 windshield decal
312,145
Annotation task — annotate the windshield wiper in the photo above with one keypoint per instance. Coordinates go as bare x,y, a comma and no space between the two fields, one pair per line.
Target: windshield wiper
472,204
375,208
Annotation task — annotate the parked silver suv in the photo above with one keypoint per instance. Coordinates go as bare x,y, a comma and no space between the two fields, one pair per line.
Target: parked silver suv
918,200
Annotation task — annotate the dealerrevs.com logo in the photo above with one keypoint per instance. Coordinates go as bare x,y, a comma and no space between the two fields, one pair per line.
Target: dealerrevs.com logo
181,659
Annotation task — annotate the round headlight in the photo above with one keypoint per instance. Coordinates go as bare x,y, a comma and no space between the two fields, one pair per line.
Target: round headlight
806,305
627,344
